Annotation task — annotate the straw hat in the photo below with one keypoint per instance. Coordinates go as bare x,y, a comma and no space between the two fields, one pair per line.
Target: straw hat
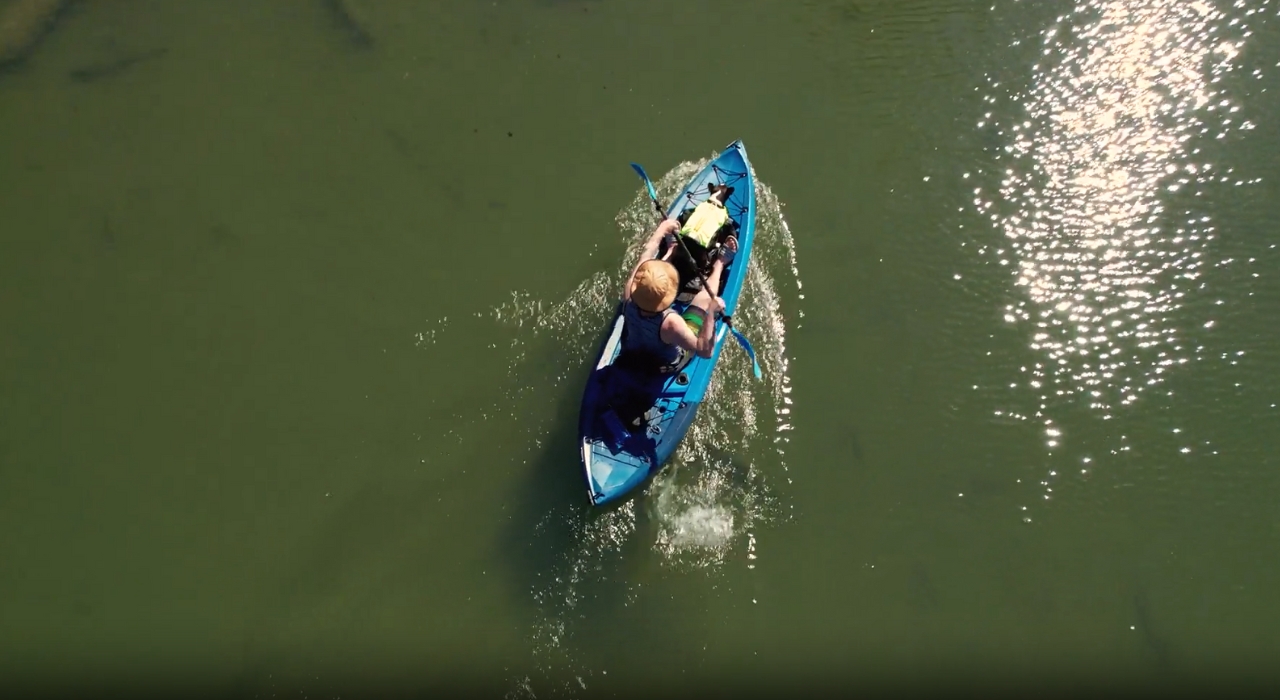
655,285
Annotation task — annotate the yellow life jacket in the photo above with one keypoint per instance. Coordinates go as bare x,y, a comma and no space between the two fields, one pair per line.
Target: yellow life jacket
706,219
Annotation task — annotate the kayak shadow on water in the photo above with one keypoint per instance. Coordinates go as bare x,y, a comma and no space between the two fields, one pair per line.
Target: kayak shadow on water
568,561
545,506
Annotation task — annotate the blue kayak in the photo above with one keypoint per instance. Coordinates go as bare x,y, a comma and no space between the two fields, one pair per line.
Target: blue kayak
617,457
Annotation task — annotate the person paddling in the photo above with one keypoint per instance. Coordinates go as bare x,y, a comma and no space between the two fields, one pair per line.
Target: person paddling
652,329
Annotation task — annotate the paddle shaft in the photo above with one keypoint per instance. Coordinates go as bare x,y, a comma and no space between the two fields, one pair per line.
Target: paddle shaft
662,216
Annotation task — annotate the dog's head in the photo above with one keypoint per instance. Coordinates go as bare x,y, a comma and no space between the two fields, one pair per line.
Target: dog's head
720,193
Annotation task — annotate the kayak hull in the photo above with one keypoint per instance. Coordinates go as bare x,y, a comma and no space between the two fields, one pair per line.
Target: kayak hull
631,422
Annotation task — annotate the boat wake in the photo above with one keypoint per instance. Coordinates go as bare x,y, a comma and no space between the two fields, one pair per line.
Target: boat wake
701,512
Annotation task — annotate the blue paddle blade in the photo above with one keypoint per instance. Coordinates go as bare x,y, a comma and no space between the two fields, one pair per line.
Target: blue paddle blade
746,345
653,194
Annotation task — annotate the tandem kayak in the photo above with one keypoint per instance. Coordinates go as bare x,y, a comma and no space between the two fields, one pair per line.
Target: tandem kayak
617,458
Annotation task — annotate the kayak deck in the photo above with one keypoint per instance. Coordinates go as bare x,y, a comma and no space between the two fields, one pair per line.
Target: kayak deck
631,420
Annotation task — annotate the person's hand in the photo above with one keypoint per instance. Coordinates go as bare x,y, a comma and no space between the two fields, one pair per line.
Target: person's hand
717,305
669,226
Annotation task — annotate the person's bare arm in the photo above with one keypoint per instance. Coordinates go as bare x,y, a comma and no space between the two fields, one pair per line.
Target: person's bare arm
649,252
676,331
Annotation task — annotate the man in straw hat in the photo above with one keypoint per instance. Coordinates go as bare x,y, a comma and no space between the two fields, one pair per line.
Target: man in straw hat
652,329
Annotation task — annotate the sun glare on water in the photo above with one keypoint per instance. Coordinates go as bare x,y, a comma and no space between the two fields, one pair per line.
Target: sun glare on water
1122,96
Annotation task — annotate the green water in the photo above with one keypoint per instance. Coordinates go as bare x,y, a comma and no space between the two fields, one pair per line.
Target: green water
293,329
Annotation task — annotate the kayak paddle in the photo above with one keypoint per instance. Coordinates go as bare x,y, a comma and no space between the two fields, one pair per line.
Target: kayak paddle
728,320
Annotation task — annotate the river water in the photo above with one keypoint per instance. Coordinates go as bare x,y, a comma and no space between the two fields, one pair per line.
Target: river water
298,300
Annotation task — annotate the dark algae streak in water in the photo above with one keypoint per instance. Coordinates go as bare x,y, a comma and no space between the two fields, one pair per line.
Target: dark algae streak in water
23,23
1142,619
350,17
112,67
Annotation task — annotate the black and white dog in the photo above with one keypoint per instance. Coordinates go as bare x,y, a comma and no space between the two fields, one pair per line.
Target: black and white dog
694,257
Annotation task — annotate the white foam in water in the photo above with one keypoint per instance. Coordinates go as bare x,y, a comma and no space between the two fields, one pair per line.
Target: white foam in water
704,506
709,527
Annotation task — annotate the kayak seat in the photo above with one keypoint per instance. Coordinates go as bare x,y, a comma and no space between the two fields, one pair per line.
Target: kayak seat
630,389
